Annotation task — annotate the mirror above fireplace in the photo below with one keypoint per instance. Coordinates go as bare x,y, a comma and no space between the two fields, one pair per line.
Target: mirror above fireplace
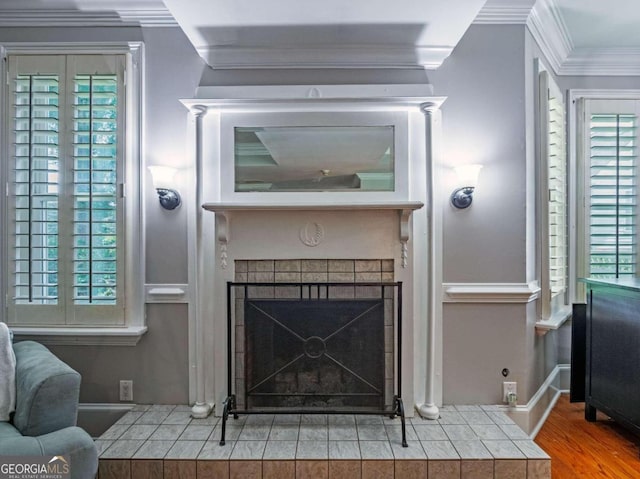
314,158
351,153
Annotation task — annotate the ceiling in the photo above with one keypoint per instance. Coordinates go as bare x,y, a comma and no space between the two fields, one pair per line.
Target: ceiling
577,36
594,24
331,33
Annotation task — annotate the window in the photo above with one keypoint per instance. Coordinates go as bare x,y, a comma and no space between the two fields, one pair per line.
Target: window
611,192
68,235
553,204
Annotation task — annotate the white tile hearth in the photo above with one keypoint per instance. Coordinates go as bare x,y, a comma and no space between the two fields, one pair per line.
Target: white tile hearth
462,437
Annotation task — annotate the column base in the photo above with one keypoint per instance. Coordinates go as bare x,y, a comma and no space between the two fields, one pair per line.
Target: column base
201,410
428,411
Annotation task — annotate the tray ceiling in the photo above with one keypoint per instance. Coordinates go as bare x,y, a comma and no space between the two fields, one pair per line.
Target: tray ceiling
579,36
332,33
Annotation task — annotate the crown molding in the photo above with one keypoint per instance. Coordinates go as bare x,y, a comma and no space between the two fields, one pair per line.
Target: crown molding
325,56
602,61
149,17
507,14
550,33
549,30
552,36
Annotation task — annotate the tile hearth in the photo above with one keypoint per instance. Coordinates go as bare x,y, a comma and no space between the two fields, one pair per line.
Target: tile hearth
467,441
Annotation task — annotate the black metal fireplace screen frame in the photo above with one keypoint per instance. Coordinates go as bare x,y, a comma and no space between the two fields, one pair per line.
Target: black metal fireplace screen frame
230,406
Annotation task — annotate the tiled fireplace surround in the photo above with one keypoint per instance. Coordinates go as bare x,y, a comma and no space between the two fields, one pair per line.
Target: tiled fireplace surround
267,245
349,272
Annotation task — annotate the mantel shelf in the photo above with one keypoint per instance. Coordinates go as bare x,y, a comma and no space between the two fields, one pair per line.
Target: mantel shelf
224,210
229,207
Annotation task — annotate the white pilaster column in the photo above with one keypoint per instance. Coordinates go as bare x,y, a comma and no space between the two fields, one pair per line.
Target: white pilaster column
429,410
201,408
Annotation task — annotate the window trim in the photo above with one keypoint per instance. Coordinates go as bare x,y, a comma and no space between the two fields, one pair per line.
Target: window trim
134,262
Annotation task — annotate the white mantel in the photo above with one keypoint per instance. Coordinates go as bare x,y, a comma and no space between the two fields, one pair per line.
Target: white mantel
225,210
399,224
229,207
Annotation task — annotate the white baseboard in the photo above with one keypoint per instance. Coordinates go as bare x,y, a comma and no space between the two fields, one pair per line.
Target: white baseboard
105,407
531,416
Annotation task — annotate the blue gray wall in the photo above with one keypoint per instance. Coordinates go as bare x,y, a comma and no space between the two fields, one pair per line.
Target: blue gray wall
486,119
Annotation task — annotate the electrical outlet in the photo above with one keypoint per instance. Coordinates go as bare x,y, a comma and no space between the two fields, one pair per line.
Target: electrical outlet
509,387
126,390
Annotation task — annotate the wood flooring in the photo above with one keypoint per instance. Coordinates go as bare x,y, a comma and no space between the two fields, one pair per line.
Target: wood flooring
581,449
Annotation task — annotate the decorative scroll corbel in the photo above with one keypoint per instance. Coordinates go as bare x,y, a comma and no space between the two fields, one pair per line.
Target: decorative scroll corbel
222,230
405,216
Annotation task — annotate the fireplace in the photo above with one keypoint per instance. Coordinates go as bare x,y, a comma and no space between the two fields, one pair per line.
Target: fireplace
314,347
342,196
301,344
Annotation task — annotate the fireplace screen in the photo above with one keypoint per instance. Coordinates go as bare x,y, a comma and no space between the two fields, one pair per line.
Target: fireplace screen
307,346
314,348
310,353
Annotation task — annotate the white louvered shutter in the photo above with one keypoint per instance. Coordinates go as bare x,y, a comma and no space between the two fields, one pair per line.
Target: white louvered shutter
553,185
557,171
67,224
612,189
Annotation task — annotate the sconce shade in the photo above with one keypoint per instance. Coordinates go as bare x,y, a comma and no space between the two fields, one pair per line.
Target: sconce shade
163,180
467,175
467,179
162,176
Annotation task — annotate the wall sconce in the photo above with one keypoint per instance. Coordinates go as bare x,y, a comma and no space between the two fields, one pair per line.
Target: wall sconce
468,178
163,179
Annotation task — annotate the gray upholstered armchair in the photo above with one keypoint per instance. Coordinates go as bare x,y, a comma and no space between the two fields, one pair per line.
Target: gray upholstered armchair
44,423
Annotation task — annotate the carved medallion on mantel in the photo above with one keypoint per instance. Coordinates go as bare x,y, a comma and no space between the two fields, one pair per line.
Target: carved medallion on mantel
312,234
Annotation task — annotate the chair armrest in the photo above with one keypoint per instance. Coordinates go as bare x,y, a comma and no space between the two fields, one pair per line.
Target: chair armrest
47,391
77,445
72,442
12,443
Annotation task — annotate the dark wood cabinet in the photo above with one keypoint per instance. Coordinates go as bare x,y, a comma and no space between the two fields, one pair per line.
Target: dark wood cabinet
612,376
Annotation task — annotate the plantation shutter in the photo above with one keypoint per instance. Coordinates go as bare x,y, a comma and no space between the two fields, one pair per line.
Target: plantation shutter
553,185
612,189
67,237
557,171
